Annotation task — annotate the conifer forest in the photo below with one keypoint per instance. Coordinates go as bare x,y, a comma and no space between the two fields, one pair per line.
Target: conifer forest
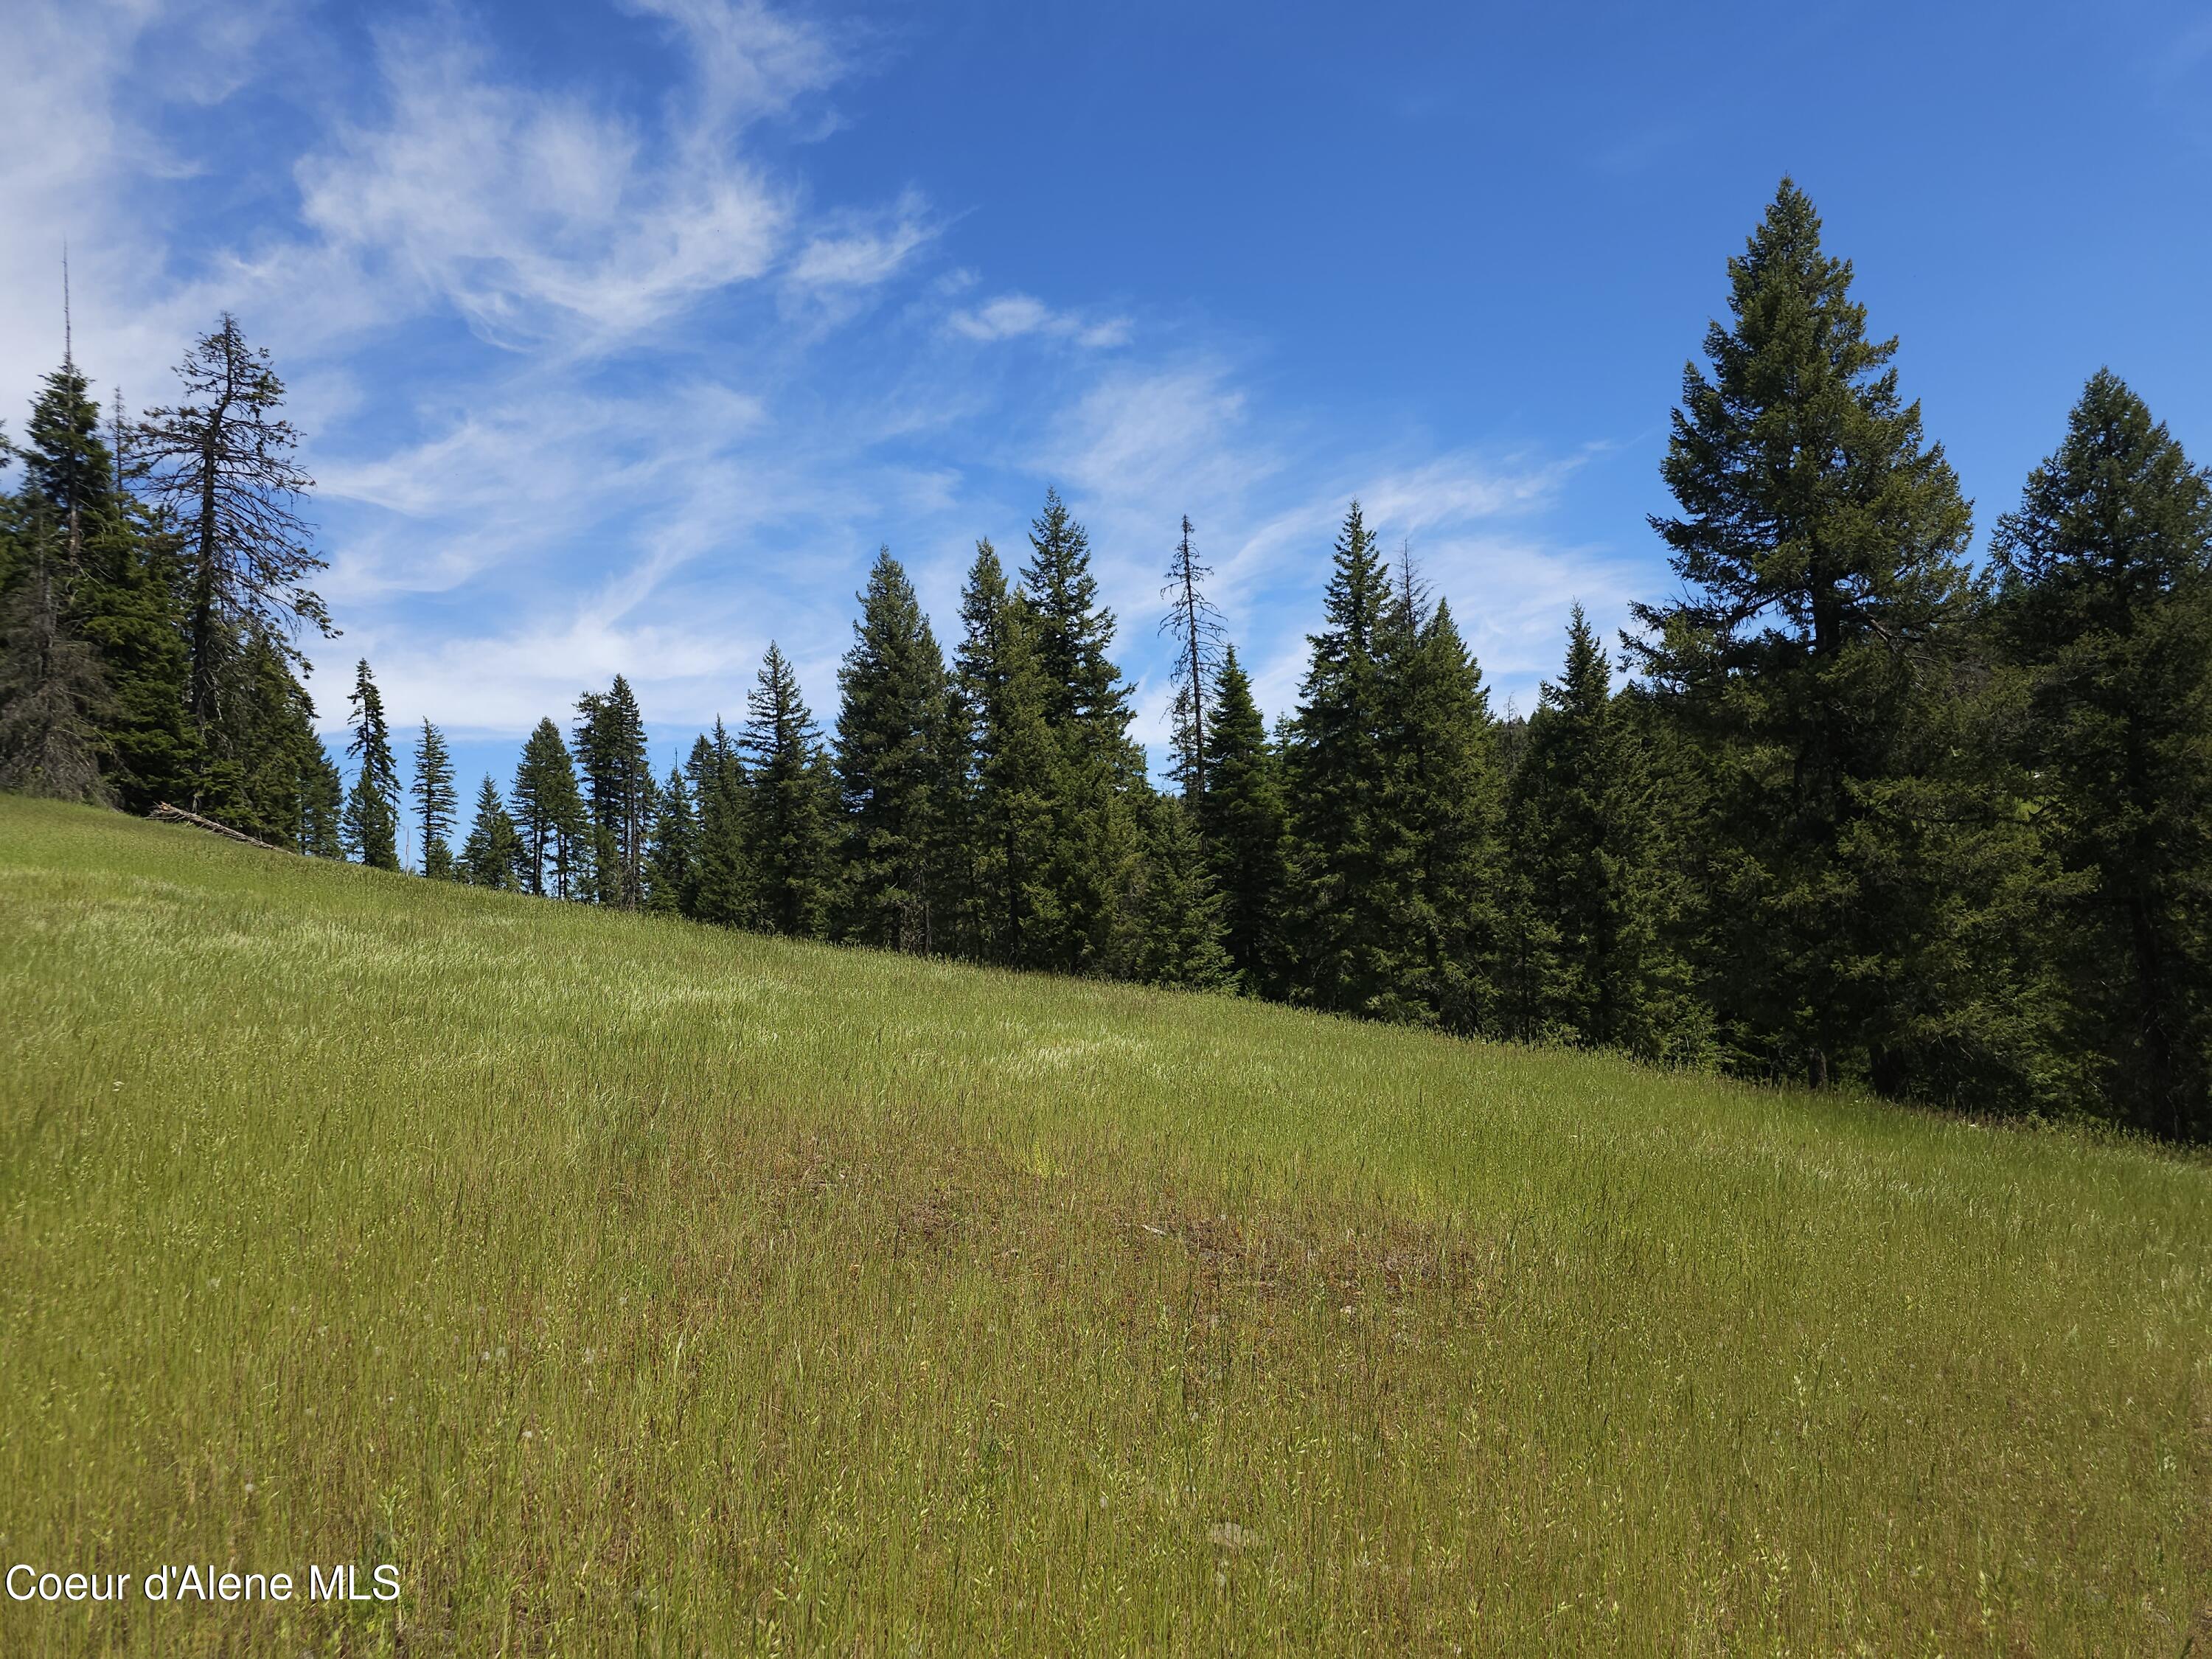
1855,807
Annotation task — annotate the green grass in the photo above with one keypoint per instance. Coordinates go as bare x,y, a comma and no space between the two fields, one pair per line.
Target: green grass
639,1287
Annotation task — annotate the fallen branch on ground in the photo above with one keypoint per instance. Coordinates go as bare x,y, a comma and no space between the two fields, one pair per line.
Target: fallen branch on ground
166,813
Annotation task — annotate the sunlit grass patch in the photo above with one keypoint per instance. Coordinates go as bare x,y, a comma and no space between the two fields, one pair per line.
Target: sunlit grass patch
637,1287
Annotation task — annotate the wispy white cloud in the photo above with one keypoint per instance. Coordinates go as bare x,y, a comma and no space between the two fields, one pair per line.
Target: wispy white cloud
542,216
864,254
478,286
1012,316
508,483
1142,446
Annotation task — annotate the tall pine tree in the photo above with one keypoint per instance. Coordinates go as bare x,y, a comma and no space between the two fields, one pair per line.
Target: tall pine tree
1437,830
1343,914
436,802
618,791
1597,961
222,463
893,724
1099,779
372,811
1241,817
793,834
1821,541
550,817
112,575
2104,601
493,854
672,864
1014,768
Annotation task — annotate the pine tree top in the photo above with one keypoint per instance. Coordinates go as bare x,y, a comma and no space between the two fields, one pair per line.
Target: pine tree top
65,460
2118,507
371,738
1809,501
780,729
1353,605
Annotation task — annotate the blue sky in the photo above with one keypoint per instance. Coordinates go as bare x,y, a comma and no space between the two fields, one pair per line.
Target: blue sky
623,334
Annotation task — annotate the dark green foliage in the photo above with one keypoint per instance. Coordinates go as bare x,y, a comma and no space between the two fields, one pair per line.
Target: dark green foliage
124,584
436,802
618,791
1441,813
52,694
1239,815
1073,632
725,893
2104,602
672,864
114,576
322,805
1340,912
267,772
1595,958
1820,542
1097,775
1175,916
714,765
893,755
371,825
789,809
550,817
1005,697
1396,869
261,769
493,854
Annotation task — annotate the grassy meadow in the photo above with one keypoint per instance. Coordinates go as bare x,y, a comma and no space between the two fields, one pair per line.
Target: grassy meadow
635,1287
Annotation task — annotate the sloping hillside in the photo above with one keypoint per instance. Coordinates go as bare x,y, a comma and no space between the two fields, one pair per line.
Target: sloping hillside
630,1285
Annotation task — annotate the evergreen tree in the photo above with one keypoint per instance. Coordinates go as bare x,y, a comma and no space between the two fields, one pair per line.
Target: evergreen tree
1437,829
1195,625
714,764
1098,774
2104,600
671,865
372,811
1239,815
1344,865
892,729
1176,936
1597,962
221,462
52,694
549,816
493,854
1072,631
618,791
112,575
270,775
436,802
726,891
322,805
1820,542
1005,697
792,837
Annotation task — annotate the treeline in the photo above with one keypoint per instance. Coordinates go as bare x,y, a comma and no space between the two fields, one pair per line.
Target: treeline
1861,814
